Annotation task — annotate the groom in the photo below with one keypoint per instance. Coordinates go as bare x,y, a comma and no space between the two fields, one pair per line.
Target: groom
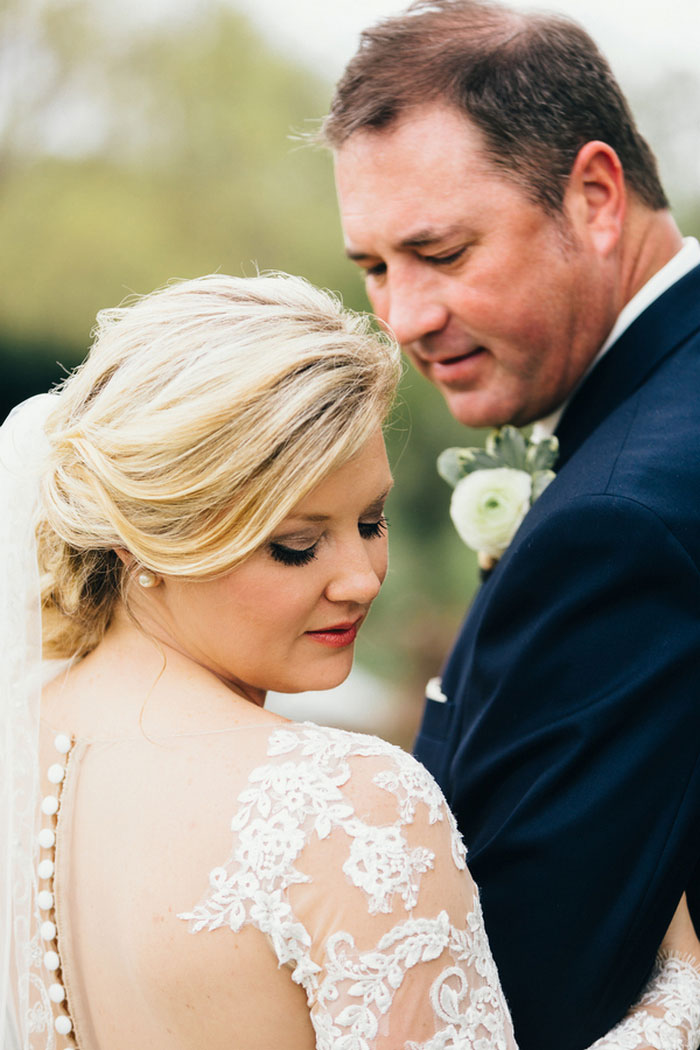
515,237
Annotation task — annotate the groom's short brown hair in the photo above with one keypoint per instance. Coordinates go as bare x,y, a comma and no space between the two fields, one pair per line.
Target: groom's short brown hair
535,85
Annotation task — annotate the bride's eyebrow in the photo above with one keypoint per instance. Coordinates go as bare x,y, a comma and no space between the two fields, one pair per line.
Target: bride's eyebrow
375,507
304,518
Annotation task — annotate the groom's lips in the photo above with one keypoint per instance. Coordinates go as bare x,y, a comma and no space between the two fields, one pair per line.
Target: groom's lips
457,369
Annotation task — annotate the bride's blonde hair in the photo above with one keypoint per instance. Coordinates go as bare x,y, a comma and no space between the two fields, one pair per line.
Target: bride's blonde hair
202,415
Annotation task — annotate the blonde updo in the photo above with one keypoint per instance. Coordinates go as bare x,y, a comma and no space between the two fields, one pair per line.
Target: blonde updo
202,415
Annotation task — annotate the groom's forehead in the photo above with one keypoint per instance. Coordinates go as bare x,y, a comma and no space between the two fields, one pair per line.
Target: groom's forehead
412,180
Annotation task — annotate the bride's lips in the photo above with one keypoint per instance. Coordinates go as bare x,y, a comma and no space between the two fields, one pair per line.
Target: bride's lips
456,369
338,635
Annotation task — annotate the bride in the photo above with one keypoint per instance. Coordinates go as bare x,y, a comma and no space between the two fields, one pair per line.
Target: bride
204,498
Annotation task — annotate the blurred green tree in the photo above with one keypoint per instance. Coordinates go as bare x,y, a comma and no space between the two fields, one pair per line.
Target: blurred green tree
184,165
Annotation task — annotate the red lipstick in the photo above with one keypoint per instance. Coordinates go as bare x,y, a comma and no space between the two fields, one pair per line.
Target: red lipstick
337,636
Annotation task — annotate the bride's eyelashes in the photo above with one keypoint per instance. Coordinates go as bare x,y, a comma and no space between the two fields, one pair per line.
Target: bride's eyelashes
290,555
369,530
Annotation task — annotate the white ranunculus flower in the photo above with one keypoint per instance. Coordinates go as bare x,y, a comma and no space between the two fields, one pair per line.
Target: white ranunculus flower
488,505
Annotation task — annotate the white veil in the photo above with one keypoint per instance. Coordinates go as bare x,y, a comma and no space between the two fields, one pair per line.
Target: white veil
24,1010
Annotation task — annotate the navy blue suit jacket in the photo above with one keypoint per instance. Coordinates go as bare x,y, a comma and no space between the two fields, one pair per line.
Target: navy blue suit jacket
569,744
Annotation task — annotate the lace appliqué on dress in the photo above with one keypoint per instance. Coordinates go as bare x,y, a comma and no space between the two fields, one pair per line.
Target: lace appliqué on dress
667,1016
303,794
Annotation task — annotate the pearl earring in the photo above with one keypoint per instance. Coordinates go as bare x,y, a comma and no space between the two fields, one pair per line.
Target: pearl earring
147,578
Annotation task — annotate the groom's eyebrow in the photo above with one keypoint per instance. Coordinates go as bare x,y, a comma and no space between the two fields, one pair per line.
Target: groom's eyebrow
430,235
422,238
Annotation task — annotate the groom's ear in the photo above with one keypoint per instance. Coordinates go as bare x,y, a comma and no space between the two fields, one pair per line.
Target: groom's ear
596,198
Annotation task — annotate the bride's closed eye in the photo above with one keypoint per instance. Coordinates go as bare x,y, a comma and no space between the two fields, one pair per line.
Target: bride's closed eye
369,530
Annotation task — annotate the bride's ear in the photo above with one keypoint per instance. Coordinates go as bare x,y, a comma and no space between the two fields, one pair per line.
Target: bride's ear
125,557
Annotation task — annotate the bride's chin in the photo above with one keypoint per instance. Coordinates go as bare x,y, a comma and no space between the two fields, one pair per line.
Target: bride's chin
318,680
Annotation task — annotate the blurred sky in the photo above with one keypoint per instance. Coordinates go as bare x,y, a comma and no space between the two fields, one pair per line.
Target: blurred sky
640,37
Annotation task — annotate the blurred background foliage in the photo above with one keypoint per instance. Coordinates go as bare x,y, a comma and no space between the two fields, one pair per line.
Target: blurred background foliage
134,153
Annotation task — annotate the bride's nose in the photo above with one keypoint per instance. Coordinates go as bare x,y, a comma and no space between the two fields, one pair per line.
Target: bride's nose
358,573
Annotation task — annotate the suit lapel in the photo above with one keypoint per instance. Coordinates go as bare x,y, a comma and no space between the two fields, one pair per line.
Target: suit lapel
655,334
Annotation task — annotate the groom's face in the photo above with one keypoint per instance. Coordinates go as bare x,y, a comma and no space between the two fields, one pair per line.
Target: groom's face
496,302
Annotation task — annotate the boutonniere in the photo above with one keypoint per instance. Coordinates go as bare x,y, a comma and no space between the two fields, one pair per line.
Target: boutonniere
495,486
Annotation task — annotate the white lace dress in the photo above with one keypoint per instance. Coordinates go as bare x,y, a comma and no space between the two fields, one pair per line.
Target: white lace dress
343,917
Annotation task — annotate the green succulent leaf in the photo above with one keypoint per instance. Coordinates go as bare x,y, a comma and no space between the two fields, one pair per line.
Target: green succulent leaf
540,480
480,459
542,455
509,447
